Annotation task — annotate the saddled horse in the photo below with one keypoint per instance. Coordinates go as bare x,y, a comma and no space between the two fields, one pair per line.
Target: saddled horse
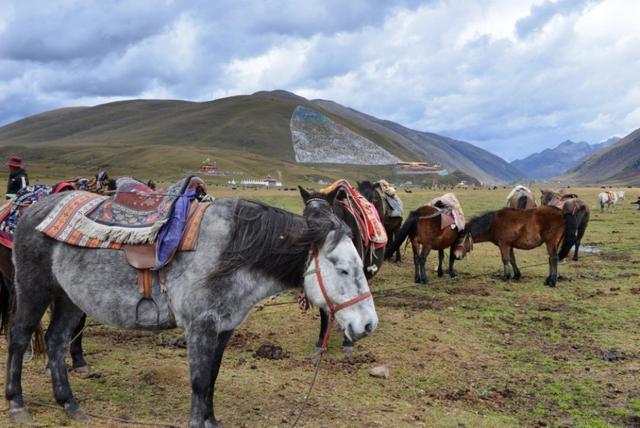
371,257
423,227
608,200
246,252
511,228
521,197
7,303
570,204
375,194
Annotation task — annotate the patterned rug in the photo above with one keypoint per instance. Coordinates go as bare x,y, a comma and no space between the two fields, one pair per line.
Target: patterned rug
11,211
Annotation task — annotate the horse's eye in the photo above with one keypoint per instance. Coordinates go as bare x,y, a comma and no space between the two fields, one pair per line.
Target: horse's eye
344,272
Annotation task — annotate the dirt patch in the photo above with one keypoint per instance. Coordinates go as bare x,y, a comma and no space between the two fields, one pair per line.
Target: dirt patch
353,362
415,302
271,351
468,291
179,342
635,291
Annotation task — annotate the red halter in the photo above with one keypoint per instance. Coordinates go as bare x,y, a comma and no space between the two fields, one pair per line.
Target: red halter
333,309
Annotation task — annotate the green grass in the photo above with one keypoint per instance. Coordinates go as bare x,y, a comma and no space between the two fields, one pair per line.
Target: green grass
475,352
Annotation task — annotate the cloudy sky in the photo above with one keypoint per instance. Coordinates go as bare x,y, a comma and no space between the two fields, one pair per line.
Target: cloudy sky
512,76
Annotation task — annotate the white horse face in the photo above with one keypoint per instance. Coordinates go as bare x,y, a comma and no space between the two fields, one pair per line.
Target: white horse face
343,277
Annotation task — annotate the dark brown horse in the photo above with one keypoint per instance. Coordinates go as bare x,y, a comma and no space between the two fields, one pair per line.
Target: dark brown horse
570,204
375,194
423,227
511,228
372,258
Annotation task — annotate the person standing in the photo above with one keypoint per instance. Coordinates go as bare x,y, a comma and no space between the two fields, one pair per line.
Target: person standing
17,175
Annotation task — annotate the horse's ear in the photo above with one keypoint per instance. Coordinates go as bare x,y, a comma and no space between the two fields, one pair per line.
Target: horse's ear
331,196
305,195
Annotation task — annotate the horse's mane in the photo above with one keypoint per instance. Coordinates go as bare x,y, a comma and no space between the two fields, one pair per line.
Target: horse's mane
480,223
274,241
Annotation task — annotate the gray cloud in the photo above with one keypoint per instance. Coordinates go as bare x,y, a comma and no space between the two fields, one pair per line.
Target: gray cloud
508,76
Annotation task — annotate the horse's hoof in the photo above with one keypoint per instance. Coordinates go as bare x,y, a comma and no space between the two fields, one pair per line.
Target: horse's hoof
348,349
440,274
505,277
82,371
20,416
74,411
517,277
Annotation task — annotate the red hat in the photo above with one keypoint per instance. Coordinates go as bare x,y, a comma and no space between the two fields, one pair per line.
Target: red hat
15,161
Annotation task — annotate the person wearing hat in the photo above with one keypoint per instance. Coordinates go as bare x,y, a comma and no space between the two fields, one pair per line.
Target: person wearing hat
17,175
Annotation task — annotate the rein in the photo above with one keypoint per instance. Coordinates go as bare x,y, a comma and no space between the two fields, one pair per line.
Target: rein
333,309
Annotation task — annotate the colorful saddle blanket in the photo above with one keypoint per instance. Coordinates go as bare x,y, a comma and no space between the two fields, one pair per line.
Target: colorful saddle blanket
11,211
364,212
452,215
135,215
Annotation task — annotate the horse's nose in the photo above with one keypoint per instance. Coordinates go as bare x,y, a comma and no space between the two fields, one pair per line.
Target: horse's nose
369,327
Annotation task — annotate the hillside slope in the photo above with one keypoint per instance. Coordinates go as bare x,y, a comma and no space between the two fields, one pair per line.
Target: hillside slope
616,164
258,124
552,162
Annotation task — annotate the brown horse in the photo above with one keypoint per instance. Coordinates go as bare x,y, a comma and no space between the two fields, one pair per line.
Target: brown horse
423,227
372,258
521,198
374,194
570,204
511,228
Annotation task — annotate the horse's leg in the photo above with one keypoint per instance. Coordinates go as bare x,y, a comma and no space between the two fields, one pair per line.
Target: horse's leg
516,271
423,261
79,364
581,229
505,252
452,260
206,347
416,262
440,260
65,317
324,323
553,264
28,312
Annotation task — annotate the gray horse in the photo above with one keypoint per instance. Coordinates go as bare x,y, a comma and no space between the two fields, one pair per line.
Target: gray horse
246,251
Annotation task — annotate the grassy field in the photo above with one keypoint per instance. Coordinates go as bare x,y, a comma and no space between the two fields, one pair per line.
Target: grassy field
475,352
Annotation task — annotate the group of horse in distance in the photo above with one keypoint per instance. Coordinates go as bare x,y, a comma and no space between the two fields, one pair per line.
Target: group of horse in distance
248,251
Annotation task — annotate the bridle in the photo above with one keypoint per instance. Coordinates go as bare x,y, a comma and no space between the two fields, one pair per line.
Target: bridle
333,309
467,236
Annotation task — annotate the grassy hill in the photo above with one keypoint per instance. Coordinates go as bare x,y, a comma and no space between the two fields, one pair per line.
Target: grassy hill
615,164
247,134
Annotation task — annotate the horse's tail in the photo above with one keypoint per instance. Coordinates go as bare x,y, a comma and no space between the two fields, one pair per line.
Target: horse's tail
5,305
522,201
570,234
408,227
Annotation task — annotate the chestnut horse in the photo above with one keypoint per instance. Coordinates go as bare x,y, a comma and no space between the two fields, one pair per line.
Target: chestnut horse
511,228
423,227
569,203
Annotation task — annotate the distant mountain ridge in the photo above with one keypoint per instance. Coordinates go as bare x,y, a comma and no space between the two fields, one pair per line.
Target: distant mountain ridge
248,124
618,163
558,160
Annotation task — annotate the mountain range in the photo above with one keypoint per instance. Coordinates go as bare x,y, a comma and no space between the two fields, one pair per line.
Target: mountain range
251,134
617,164
558,160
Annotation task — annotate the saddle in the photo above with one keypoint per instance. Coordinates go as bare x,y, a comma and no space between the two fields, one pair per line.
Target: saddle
366,215
150,227
452,215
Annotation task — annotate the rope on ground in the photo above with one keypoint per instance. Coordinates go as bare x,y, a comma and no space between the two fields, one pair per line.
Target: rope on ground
313,382
106,417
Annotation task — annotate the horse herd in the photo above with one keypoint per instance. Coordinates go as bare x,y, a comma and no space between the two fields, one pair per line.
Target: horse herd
246,252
